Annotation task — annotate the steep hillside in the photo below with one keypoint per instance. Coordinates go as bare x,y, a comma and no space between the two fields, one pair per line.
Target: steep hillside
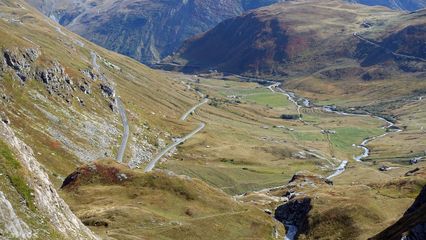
60,109
144,30
314,46
400,40
151,30
412,225
185,144
288,39
406,5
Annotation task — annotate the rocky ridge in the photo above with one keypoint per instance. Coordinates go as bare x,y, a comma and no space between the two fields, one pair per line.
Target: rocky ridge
46,197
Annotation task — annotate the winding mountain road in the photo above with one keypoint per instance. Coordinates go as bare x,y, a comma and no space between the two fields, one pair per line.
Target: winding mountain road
154,161
95,64
126,131
121,110
388,50
190,111
202,125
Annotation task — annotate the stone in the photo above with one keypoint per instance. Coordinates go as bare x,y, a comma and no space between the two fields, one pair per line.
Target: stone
107,90
384,168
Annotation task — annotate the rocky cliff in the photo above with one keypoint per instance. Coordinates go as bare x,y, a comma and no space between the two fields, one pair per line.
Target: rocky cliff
47,200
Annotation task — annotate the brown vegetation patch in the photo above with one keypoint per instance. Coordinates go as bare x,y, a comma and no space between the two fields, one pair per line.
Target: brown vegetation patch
96,172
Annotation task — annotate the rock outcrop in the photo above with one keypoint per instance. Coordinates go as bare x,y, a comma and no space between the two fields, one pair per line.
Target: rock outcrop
21,61
46,197
14,227
23,65
95,172
419,231
56,80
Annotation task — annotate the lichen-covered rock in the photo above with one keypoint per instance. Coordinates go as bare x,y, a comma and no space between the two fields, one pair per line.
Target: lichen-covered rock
89,74
306,178
4,118
100,172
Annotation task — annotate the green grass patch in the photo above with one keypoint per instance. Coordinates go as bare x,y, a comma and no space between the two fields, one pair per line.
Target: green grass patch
268,99
308,136
345,137
235,179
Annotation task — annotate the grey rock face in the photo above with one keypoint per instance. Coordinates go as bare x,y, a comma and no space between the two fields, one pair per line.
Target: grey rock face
46,197
20,61
10,223
56,80
294,212
23,63
107,90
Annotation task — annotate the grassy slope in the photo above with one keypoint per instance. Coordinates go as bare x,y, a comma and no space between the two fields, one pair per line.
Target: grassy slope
162,206
150,98
241,150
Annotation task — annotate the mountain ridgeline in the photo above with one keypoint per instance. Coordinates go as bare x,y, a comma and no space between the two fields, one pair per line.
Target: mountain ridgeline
144,30
150,30
300,38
